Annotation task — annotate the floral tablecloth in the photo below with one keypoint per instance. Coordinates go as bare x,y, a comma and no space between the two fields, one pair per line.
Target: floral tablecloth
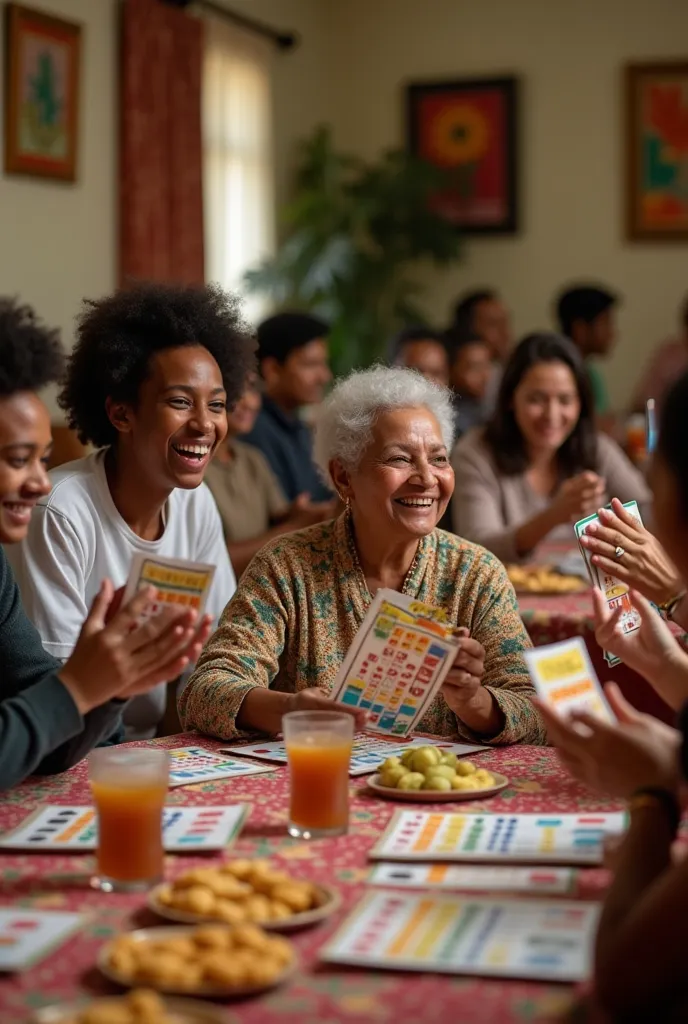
318,993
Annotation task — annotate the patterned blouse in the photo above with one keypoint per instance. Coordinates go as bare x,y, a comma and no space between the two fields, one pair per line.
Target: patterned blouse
299,604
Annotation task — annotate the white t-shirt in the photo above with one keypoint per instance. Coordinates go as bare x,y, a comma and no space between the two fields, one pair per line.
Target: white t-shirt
77,538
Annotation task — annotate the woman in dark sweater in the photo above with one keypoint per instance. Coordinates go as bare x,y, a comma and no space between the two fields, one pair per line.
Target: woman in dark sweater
51,715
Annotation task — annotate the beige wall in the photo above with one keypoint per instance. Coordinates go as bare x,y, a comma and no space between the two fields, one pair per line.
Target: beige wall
57,241
569,54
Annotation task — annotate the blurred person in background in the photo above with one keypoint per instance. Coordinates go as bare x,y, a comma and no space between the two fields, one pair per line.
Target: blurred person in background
248,495
52,714
422,349
666,364
539,465
470,372
483,314
293,363
586,315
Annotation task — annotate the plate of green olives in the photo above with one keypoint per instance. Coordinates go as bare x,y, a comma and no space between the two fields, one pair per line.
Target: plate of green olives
431,775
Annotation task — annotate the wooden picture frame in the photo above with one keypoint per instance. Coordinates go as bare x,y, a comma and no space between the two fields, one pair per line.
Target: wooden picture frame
42,79
656,101
470,127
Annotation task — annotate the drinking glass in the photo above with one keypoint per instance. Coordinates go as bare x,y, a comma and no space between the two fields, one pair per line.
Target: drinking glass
129,786
319,754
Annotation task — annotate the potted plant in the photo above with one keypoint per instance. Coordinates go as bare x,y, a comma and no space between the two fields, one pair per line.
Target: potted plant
354,233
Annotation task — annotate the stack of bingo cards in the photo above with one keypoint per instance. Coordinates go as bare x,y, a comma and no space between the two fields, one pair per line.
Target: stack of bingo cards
614,590
177,582
397,663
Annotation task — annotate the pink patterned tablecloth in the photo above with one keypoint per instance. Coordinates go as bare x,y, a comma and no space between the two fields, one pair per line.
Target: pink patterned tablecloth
318,993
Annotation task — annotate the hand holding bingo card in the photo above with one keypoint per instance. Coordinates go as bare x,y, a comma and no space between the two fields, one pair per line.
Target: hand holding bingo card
178,584
399,659
565,679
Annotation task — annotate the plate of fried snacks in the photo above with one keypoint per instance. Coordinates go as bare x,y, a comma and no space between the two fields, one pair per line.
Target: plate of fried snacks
543,579
142,1006
244,891
430,775
209,960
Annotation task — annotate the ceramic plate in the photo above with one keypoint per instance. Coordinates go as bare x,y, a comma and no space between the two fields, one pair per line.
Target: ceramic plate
329,900
430,796
212,991
178,1011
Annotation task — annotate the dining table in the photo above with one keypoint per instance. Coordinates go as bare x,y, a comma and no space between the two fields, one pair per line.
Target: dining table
317,992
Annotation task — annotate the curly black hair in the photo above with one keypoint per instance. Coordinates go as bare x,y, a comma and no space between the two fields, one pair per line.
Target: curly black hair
31,355
117,335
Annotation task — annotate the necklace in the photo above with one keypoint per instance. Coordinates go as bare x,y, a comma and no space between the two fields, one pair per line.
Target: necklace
357,561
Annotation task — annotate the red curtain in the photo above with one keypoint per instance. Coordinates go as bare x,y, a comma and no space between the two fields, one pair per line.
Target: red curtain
161,172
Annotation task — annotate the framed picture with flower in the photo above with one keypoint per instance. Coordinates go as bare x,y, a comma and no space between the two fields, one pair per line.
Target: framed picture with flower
42,65
470,128
657,151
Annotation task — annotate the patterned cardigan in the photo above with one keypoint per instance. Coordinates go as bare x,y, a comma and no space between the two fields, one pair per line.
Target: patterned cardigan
303,597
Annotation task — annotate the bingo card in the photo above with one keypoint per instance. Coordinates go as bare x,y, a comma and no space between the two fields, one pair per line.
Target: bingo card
564,677
494,838
615,592
480,878
397,662
27,936
189,765
367,755
184,829
177,582
537,939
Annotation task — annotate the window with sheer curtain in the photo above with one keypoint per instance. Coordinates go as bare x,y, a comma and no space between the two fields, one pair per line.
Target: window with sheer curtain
237,153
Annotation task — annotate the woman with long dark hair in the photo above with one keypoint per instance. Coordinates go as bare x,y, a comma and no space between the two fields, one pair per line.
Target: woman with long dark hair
539,465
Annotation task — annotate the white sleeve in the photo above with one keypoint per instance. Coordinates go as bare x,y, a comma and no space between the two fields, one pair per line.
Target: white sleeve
213,549
51,567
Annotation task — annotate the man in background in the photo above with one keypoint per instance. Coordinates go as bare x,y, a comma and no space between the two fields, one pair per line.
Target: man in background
482,314
470,373
422,349
586,315
293,362
668,362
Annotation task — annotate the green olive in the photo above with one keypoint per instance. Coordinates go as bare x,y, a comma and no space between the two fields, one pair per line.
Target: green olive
465,768
440,770
438,783
412,780
424,758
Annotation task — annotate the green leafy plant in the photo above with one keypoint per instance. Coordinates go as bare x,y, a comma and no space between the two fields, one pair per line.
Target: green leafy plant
355,232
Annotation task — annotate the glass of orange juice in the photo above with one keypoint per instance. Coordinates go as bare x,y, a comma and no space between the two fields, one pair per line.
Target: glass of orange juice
129,786
319,753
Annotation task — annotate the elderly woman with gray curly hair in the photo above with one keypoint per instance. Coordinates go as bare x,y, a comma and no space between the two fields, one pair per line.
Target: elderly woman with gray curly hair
383,439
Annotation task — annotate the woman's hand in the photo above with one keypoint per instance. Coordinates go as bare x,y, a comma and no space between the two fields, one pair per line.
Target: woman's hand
644,564
464,678
578,497
116,657
619,757
651,650
313,699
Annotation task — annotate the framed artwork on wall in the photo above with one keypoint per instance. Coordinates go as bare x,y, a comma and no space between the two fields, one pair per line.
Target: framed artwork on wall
470,127
657,151
42,67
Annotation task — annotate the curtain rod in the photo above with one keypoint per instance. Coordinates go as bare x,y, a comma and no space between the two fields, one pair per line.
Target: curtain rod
282,40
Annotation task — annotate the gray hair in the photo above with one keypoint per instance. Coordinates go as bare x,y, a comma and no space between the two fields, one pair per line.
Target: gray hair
345,424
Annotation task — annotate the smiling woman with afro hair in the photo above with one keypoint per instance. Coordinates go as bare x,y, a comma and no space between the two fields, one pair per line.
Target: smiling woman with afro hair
148,383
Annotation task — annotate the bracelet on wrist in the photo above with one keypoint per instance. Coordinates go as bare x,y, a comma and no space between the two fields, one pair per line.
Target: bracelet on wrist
656,796
668,608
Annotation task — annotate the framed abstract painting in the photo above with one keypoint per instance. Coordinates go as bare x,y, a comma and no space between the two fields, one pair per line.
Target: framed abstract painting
470,128
657,151
42,67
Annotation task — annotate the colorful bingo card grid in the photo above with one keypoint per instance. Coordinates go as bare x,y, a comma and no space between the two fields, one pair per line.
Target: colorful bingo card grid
529,838
564,678
189,765
399,659
536,939
614,590
26,936
481,878
180,583
184,829
368,753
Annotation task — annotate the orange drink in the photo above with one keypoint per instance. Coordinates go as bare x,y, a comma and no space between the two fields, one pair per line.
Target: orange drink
129,787
319,753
